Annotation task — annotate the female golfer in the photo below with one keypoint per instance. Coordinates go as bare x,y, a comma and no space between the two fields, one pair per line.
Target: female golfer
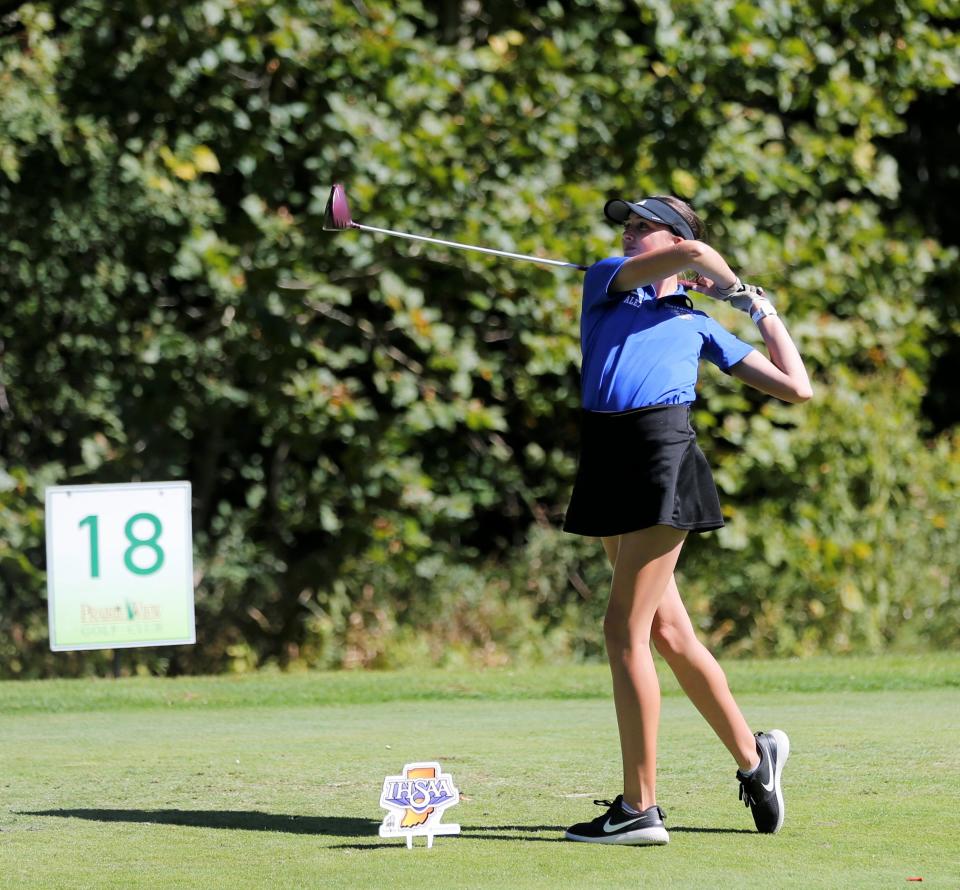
643,484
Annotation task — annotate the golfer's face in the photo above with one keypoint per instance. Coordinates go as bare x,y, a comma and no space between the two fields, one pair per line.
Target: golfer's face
641,235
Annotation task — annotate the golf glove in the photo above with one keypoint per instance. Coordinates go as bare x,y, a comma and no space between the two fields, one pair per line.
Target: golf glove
747,298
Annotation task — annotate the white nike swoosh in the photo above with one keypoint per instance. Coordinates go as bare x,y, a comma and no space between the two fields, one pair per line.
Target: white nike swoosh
609,826
770,786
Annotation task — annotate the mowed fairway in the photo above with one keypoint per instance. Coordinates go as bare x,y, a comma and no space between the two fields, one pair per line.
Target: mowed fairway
273,781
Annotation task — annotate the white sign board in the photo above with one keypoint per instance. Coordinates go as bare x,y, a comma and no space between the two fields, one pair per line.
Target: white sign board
119,565
415,802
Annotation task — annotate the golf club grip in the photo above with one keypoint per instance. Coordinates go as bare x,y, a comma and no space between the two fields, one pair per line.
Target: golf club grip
490,250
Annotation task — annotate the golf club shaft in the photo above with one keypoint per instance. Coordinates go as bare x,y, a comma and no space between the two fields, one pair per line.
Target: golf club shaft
513,256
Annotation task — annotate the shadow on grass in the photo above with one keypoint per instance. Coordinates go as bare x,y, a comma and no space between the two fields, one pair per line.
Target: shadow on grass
518,832
562,828
330,826
710,830
475,832
244,820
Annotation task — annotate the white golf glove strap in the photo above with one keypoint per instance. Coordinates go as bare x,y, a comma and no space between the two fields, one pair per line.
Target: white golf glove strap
762,308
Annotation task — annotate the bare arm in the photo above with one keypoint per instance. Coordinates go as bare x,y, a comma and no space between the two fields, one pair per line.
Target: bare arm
663,262
783,374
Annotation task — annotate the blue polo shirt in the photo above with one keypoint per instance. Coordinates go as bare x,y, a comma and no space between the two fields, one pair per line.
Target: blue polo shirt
640,351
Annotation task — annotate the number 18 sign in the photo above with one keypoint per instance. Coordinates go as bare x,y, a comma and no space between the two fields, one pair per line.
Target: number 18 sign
119,565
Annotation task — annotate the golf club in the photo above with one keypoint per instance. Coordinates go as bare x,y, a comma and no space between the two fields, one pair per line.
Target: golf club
336,218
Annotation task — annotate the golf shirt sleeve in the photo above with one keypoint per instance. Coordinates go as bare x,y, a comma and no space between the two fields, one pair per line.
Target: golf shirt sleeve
599,278
720,347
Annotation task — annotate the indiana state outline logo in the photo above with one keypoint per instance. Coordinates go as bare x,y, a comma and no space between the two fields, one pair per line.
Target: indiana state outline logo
416,801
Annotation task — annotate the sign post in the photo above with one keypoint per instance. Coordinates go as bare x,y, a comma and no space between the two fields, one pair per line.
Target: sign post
119,566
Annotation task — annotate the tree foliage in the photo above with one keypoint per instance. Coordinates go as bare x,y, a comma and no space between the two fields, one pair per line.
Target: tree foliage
380,460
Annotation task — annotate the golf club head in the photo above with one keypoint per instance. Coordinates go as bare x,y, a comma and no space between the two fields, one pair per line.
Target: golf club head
336,216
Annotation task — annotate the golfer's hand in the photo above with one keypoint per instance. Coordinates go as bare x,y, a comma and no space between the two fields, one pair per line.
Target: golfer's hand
745,297
702,285
739,295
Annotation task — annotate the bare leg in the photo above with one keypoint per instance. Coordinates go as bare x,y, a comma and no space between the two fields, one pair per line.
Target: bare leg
701,677
645,561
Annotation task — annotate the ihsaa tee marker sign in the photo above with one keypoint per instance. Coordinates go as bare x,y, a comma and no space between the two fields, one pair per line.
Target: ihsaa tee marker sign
415,802
119,565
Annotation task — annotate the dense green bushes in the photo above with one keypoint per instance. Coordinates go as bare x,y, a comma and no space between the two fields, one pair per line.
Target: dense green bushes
380,462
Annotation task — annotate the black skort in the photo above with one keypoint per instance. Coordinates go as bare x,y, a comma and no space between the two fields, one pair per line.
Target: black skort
641,468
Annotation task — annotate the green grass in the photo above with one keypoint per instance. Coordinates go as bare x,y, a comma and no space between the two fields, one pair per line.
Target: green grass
273,781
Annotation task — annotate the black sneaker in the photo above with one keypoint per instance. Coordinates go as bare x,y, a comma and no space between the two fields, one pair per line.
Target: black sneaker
619,827
761,789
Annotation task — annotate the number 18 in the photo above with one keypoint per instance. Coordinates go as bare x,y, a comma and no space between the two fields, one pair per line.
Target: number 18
92,522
